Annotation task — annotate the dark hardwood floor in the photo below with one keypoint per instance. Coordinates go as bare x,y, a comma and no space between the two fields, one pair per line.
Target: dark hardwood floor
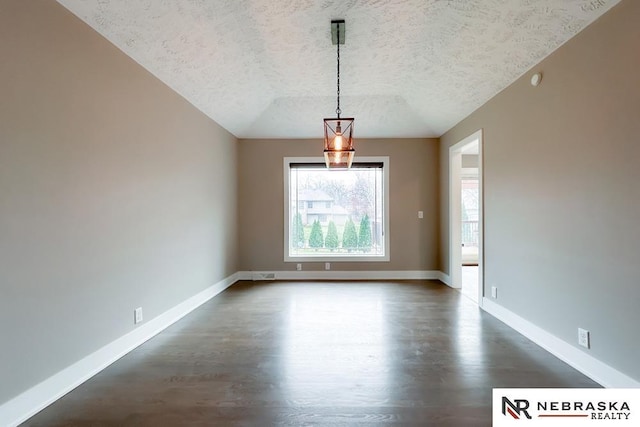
408,353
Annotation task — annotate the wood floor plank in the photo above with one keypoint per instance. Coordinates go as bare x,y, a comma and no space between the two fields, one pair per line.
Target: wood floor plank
317,353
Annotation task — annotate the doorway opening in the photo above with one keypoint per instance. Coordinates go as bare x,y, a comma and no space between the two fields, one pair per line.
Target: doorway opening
465,217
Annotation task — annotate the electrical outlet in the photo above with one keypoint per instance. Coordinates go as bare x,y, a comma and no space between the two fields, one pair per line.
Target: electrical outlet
299,267
494,292
420,214
327,266
583,337
137,315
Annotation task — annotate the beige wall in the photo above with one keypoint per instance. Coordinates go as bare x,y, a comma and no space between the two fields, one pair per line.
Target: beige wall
115,193
562,193
413,186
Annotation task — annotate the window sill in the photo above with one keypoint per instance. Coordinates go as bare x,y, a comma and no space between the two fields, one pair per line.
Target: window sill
345,258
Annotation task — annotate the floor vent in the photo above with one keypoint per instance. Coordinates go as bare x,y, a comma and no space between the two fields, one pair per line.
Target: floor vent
263,276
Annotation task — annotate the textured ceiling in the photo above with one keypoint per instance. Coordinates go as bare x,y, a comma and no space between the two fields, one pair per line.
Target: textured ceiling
266,68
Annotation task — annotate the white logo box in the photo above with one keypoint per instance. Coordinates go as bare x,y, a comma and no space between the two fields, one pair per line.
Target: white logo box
566,407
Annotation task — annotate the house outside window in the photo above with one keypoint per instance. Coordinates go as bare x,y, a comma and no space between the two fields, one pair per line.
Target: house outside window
346,215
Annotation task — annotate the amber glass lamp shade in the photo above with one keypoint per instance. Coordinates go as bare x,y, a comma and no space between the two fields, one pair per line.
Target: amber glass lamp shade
338,143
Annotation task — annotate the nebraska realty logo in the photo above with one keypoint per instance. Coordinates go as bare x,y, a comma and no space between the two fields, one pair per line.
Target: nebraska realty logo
566,407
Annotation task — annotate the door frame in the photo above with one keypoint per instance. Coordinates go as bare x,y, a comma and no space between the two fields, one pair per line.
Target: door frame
455,212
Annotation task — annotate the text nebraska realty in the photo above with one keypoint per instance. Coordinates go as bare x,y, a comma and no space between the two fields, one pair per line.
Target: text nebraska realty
599,410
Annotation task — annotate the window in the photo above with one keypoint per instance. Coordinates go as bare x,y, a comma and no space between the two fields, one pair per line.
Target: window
310,205
349,223
470,203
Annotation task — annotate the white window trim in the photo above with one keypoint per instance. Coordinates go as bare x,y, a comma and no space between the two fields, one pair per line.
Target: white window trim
345,258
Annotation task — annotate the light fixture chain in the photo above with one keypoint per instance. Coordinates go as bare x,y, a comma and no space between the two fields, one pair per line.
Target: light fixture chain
338,111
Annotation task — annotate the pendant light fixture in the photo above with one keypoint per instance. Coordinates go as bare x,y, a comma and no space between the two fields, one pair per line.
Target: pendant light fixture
338,142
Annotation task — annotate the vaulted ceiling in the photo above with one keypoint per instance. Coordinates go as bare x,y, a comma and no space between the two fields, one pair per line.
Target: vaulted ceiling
267,68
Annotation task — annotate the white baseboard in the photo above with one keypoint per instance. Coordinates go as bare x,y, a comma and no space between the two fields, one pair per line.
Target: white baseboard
598,371
343,275
27,404
444,278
